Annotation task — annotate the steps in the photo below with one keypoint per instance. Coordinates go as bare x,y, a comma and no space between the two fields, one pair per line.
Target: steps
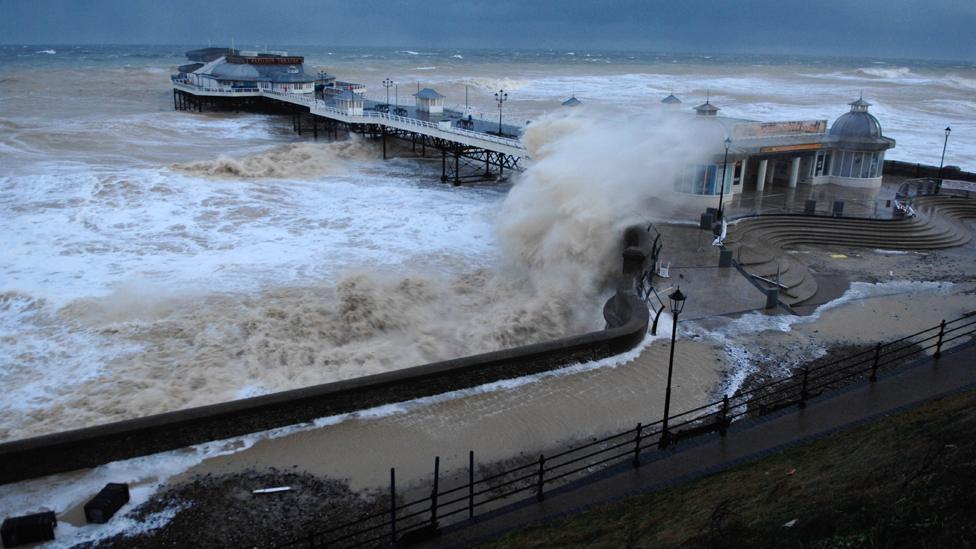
938,225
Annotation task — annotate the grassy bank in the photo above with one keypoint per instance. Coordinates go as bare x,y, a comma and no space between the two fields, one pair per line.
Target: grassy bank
903,481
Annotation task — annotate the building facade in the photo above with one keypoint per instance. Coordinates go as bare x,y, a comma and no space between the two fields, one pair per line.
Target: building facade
750,155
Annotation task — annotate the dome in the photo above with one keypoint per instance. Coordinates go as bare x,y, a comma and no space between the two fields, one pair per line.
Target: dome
858,123
235,71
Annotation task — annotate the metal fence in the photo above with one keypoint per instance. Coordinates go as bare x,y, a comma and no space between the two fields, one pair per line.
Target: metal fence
420,518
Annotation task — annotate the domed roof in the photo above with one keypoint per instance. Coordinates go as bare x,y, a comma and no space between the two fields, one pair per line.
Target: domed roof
238,71
858,123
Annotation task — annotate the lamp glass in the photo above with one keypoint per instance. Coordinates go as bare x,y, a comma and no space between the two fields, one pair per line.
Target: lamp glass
677,300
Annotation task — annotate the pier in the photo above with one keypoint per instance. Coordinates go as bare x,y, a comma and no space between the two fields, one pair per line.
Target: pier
483,149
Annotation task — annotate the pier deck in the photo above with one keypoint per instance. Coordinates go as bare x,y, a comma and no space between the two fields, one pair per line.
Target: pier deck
482,136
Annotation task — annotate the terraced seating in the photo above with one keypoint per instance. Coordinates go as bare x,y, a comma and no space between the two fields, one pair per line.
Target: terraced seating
938,225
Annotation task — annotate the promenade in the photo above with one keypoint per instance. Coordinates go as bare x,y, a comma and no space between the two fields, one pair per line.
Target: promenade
898,390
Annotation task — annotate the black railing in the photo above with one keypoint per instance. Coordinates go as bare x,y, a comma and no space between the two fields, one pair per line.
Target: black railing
419,519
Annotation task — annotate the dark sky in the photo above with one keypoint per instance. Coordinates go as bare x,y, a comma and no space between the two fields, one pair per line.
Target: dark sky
877,28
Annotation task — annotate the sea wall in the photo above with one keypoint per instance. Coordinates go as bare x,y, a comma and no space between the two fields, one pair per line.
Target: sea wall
909,169
626,324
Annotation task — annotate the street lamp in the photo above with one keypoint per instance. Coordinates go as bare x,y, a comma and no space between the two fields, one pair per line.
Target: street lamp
388,84
948,130
501,96
396,98
725,167
677,304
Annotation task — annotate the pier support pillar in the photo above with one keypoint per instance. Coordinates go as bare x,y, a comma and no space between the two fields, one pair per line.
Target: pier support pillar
457,167
315,128
761,175
383,129
443,165
795,172
771,171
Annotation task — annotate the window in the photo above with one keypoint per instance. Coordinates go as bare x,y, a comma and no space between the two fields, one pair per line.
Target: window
875,162
845,170
857,164
826,166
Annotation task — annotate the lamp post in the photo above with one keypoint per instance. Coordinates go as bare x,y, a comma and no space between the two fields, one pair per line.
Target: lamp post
725,167
396,98
948,130
387,83
501,96
677,300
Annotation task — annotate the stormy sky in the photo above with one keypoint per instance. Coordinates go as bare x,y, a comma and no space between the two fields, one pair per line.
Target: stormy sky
877,28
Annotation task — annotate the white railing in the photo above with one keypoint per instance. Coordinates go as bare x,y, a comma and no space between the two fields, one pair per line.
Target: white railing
321,107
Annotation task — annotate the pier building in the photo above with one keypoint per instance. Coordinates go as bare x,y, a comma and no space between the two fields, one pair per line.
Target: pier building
752,155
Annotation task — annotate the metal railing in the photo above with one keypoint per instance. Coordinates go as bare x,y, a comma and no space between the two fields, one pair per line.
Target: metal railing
367,117
468,497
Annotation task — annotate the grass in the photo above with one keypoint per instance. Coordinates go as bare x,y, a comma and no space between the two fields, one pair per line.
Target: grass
903,481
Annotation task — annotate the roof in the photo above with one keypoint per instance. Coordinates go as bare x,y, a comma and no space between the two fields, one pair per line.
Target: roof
428,93
190,68
572,102
222,70
706,108
671,100
857,125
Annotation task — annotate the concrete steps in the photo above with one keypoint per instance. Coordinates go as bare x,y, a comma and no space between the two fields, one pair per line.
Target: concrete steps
938,225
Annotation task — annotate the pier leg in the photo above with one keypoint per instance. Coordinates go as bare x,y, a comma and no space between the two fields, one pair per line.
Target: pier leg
443,165
423,146
299,119
487,163
384,141
457,167
315,127
413,142
199,105
501,165
174,101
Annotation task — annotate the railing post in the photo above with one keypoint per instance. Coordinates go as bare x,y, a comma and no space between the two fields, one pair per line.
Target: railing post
637,441
803,389
471,484
874,364
433,494
938,346
542,471
724,426
393,533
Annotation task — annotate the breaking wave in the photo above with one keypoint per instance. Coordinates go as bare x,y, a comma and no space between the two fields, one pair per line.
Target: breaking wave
886,73
293,161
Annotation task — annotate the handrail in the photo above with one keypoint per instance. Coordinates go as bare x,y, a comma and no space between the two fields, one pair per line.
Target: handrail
322,107
578,460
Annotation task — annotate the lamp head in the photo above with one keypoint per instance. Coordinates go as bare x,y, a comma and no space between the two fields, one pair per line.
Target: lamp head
677,301
948,130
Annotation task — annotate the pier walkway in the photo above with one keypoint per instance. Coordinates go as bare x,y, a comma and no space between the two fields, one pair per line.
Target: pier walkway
447,133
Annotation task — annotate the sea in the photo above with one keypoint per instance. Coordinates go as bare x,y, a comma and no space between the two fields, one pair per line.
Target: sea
152,260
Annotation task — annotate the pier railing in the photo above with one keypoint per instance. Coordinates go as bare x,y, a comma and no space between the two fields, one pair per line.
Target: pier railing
317,106
462,496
